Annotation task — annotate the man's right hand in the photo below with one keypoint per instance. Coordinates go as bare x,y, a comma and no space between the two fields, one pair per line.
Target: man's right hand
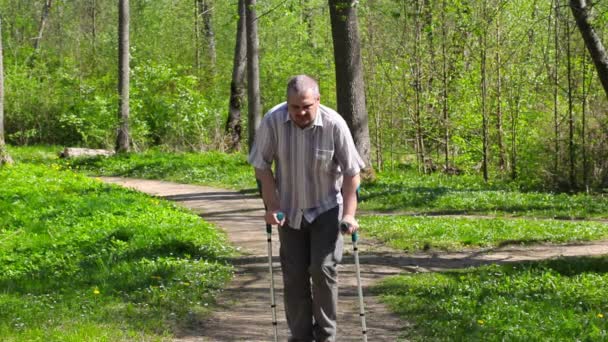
272,217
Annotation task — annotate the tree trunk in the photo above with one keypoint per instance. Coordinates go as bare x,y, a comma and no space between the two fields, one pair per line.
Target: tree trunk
307,18
444,93
420,150
571,152
555,89
197,37
514,119
122,139
205,9
350,86
253,71
484,90
499,119
5,158
580,10
46,9
237,86
94,27
584,125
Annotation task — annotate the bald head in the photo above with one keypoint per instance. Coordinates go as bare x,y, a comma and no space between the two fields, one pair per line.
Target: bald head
302,100
301,84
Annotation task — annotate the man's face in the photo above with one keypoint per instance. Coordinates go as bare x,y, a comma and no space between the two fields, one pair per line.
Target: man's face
302,108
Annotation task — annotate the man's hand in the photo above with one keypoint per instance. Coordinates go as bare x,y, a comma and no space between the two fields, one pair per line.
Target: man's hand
352,223
272,217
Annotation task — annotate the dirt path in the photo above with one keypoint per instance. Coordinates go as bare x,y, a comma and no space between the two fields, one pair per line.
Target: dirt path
244,313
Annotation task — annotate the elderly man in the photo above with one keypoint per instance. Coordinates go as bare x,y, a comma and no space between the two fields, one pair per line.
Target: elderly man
315,180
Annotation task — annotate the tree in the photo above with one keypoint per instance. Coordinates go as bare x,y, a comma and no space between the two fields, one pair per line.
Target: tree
445,90
122,139
204,13
483,43
417,113
253,71
237,86
580,10
43,20
350,86
5,158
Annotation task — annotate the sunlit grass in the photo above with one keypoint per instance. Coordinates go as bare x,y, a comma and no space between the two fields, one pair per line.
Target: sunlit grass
564,300
88,261
404,191
413,233
441,194
206,168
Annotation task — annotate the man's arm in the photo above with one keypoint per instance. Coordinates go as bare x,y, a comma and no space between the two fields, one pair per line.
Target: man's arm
269,195
349,193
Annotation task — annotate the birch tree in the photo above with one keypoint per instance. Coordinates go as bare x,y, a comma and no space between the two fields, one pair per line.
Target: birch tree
122,139
5,158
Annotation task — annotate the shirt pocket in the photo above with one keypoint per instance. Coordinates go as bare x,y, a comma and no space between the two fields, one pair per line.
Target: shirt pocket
324,159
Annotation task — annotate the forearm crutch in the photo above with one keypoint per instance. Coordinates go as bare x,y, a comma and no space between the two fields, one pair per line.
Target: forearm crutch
273,305
355,237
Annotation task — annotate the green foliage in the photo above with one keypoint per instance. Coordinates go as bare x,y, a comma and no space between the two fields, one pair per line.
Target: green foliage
413,53
168,110
305,49
562,299
55,106
84,260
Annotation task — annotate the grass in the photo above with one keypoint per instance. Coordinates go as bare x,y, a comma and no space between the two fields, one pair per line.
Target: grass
441,194
391,192
127,275
558,300
413,233
205,168
82,260
208,168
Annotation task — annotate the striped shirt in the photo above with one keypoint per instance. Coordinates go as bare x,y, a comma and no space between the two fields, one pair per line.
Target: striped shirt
309,162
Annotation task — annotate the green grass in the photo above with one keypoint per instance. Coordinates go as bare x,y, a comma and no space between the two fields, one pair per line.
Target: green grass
206,168
441,194
82,260
399,192
558,300
413,233
37,154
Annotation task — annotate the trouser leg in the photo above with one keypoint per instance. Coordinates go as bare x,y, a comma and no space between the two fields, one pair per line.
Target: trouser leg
326,252
295,260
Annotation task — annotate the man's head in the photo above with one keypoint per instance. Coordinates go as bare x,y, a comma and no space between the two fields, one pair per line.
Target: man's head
303,100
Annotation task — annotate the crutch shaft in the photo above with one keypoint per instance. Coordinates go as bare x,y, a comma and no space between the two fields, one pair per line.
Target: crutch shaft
344,227
359,288
273,305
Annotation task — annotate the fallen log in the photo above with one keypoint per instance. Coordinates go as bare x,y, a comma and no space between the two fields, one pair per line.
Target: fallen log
76,152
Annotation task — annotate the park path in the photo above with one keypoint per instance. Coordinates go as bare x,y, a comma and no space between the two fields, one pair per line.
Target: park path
243,313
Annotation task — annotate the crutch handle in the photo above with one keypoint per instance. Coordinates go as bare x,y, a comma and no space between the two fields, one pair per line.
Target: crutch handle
280,217
344,226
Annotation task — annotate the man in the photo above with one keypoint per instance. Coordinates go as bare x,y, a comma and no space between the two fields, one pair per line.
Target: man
315,180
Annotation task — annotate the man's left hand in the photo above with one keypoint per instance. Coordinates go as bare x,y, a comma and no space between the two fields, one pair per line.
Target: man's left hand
353,225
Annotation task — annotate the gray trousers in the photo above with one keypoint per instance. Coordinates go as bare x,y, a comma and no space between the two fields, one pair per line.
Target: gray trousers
309,257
